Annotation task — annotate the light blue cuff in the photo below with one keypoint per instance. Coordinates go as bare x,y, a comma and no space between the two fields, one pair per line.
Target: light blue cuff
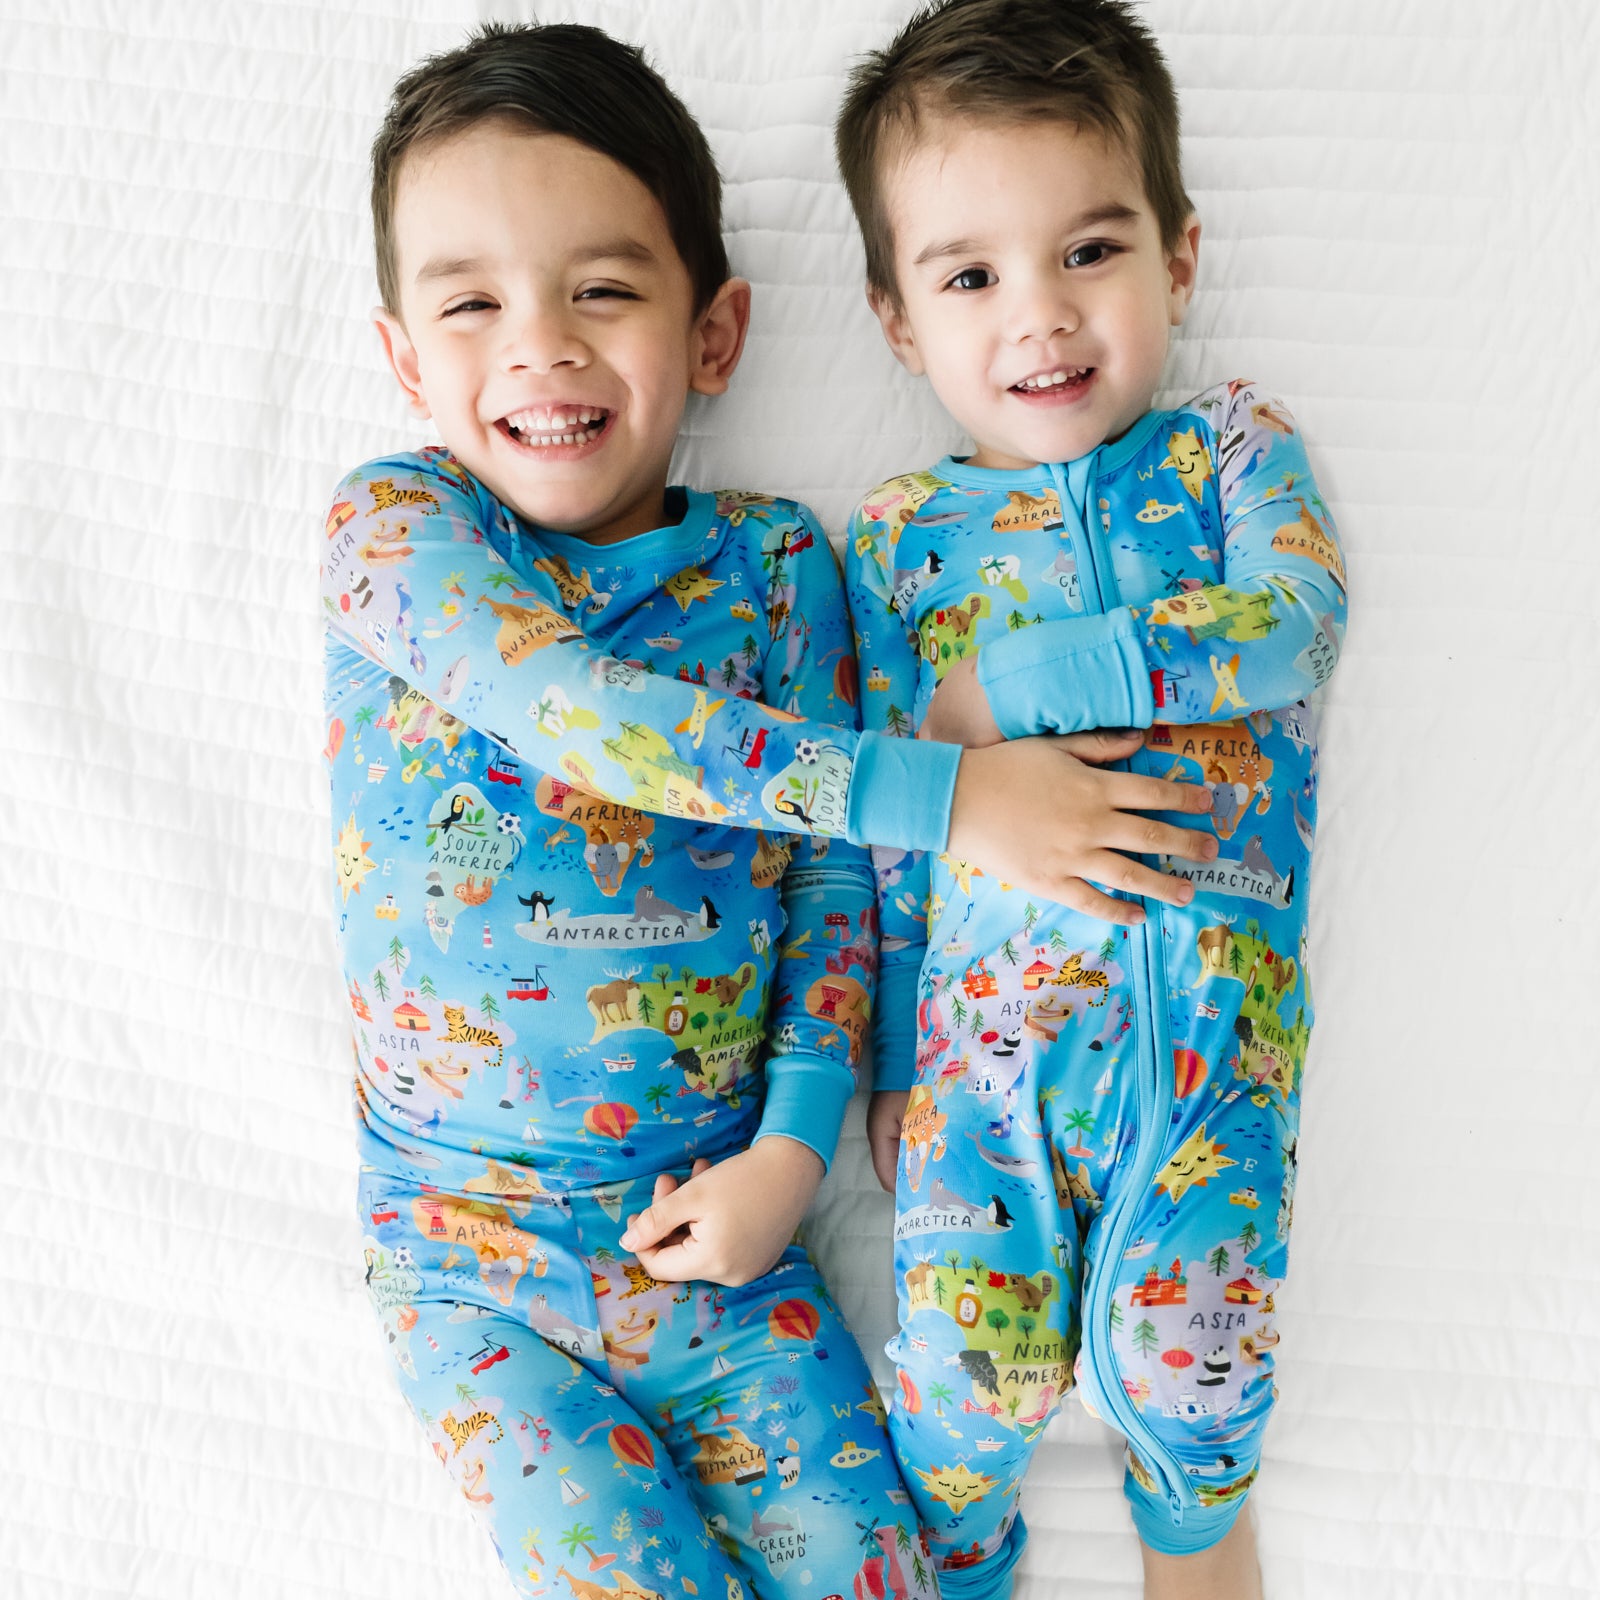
1201,1527
806,1097
894,1029
1069,675
901,792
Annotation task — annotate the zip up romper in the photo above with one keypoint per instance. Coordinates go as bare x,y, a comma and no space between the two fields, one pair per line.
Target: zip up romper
1098,1154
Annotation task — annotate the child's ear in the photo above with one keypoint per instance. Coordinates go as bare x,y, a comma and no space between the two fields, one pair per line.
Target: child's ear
719,338
896,329
1182,265
402,354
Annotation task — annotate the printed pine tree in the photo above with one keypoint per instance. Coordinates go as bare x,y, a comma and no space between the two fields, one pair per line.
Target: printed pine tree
1144,1337
1218,1261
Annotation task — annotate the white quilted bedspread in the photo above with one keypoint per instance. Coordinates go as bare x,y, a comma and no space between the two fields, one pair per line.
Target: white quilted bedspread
1400,235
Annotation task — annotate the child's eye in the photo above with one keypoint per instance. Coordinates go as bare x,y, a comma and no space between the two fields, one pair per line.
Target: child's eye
971,278
467,305
605,291
1089,255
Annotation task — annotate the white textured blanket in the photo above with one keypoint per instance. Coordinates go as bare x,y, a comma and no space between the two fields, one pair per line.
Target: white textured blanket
1400,234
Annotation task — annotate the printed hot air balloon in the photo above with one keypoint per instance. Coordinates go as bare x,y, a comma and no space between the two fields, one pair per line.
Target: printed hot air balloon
798,1320
632,1446
1189,1071
910,1395
612,1119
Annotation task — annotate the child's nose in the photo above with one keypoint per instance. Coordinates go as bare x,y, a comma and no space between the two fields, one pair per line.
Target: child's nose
1040,305
541,339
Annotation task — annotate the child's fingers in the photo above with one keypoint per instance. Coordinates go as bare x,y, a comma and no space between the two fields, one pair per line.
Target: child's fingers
1132,791
885,1160
1084,897
1144,836
1133,877
673,1263
1098,745
659,1220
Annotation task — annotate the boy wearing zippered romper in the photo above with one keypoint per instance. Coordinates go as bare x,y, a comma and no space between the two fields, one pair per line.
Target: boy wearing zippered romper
1087,1108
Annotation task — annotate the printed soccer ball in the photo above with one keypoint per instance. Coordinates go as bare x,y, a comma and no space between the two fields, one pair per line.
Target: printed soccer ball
807,751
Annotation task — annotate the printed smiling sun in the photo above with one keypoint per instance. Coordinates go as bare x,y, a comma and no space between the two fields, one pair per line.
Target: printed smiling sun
1197,1159
690,585
958,1486
350,857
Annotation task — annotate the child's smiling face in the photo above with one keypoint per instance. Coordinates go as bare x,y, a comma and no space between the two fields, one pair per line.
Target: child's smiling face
547,325
1035,292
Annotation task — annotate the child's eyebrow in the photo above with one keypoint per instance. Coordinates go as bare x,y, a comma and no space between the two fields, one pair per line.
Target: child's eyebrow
1096,217
621,248
449,267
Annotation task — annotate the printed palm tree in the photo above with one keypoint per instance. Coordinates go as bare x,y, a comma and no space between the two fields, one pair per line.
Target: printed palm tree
530,1546
1079,1121
363,717
939,1393
580,1536
657,1092
713,1400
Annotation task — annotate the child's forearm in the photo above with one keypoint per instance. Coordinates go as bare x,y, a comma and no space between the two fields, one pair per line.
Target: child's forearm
411,580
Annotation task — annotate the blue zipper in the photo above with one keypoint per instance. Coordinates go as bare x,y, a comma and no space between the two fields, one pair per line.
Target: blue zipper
1154,1088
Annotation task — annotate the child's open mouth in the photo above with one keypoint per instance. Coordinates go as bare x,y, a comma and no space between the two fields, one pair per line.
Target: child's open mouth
552,427
1063,383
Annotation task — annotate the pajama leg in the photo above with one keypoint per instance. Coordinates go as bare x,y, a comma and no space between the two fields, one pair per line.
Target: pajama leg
563,1474
987,1262
490,1314
1192,1324
765,1404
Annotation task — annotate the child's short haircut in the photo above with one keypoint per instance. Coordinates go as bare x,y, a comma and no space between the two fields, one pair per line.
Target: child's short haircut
565,79
1087,62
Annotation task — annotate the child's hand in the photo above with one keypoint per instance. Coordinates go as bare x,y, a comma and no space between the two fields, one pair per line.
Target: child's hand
959,711
885,1113
1031,813
726,1223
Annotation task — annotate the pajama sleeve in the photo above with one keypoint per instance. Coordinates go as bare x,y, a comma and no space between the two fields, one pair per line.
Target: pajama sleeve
825,974
889,667
414,578
1263,638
